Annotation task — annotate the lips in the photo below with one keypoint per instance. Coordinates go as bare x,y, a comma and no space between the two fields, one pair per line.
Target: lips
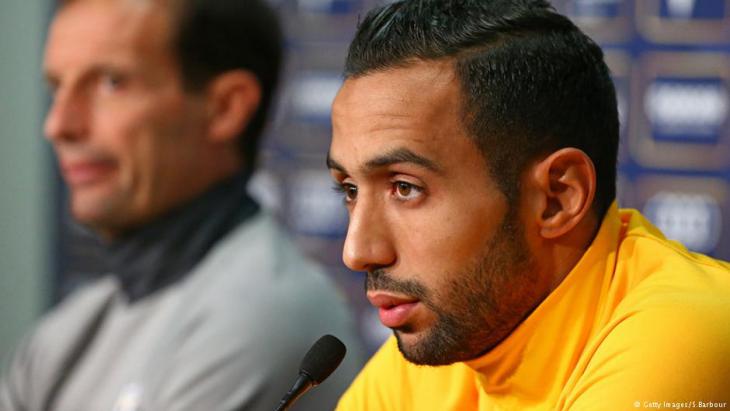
79,173
394,310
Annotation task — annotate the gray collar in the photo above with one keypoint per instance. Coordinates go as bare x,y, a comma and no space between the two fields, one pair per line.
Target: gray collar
164,251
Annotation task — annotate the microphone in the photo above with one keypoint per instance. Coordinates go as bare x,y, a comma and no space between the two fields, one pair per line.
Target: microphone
319,362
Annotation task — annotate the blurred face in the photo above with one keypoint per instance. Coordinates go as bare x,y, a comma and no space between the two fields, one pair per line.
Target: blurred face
126,135
445,255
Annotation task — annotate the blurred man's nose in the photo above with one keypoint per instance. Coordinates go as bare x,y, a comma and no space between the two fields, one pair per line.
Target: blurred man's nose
67,118
368,244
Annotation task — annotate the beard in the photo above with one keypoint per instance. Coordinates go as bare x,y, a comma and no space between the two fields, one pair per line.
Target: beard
479,305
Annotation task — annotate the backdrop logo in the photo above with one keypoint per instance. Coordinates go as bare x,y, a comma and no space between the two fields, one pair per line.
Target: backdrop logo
679,8
687,109
597,9
695,220
684,21
689,209
680,113
602,20
699,10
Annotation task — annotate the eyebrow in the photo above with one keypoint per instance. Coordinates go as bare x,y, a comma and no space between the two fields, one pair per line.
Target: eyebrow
52,78
396,156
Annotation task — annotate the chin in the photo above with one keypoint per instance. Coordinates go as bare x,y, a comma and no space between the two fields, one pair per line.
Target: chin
93,214
419,348
438,345
85,212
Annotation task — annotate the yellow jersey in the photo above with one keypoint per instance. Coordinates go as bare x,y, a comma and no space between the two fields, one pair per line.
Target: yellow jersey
639,323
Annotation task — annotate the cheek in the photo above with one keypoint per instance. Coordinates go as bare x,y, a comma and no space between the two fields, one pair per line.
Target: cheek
116,136
148,114
118,126
140,141
448,238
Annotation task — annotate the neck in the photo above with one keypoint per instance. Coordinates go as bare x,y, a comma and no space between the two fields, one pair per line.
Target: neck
562,254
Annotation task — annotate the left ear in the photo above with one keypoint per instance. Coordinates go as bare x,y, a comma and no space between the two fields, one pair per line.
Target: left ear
232,99
562,188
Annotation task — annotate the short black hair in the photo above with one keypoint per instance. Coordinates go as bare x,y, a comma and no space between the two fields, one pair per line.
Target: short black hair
215,36
531,81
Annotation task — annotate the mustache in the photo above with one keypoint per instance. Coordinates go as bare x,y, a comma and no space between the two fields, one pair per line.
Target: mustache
69,152
380,280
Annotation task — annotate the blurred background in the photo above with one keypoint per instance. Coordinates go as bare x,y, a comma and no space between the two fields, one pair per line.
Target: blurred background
670,61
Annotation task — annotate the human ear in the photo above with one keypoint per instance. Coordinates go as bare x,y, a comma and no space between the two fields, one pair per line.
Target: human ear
232,98
563,186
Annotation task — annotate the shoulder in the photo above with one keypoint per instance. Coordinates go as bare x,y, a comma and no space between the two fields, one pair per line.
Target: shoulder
73,315
673,290
665,277
645,254
258,251
661,285
666,341
262,305
665,337
672,354
42,353
257,276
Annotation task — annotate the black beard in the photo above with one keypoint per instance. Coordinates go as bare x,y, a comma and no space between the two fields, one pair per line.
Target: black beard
478,307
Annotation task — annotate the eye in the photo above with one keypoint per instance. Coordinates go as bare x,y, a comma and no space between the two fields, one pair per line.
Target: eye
406,191
349,191
111,82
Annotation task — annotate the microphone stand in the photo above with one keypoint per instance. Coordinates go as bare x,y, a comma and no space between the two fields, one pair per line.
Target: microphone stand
301,386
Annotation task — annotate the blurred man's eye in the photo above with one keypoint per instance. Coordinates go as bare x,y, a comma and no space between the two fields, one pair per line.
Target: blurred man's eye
111,82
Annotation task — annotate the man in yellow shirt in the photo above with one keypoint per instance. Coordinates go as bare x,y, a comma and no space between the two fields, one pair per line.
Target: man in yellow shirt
475,145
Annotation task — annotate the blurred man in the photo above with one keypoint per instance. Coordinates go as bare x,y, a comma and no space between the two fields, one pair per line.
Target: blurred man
157,109
475,144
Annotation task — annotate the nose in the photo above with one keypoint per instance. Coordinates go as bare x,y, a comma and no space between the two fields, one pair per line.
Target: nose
67,118
368,244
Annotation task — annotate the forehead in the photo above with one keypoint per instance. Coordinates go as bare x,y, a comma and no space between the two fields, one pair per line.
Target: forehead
108,29
421,91
417,108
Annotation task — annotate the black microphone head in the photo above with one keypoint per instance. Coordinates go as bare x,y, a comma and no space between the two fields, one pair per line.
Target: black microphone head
322,359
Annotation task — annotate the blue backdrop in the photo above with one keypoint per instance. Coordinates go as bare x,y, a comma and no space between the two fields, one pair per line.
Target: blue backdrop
670,61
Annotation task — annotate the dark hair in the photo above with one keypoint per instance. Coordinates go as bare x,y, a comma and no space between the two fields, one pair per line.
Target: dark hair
532,81
215,36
